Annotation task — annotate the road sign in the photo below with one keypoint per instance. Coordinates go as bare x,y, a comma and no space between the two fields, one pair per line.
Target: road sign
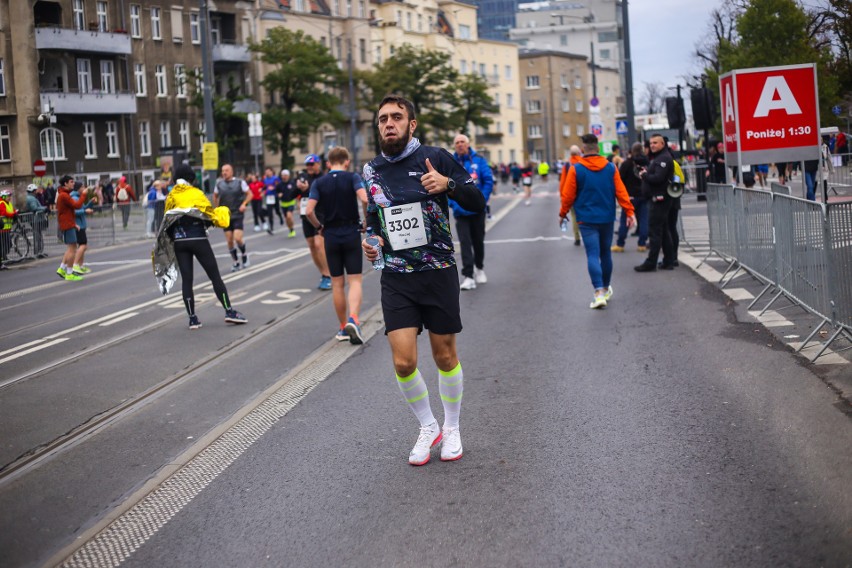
210,156
597,130
254,125
772,114
39,168
836,110
594,102
621,127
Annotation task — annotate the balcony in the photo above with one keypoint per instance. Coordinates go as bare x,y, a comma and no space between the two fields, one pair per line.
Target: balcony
489,138
89,103
231,53
79,40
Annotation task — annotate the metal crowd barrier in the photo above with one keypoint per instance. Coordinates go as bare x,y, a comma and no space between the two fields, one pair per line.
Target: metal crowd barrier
801,248
37,234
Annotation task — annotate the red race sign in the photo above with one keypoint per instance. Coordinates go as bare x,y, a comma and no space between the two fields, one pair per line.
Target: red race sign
39,168
775,114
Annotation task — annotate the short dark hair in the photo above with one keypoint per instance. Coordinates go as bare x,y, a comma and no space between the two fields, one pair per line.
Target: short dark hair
615,147
185,172
657,135
338,155
589,140
65,179
401,101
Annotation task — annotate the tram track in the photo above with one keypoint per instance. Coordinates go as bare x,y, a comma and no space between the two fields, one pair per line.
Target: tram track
79,434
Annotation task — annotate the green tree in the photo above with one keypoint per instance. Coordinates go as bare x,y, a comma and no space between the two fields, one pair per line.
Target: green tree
302,76
473,104
424,77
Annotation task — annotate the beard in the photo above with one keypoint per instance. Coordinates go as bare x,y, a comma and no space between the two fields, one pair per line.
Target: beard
396,146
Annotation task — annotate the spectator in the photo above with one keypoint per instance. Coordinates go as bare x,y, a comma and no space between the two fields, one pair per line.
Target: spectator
7,214
628,171
150,204
655,181
39,221
124,196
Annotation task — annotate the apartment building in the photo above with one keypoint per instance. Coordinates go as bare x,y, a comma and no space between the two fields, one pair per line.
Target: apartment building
553,95
451,27
100,88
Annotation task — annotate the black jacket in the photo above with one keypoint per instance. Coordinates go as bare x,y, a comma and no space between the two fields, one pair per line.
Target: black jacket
627,171
658,174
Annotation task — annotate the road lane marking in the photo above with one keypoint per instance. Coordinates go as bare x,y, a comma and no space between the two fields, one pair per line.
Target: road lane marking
112,542
23,346
33,350
118,319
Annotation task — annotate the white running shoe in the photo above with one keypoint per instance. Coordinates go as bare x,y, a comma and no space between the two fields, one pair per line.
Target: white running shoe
599,302
608,294
430,435
451,447
479,276
257,228
265,226
468,283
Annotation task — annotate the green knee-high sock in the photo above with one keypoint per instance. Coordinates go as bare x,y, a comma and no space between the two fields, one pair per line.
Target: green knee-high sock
451,387
414,390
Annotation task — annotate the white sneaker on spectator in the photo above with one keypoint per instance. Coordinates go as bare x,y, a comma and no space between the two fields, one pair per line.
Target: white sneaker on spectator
479,276
468,283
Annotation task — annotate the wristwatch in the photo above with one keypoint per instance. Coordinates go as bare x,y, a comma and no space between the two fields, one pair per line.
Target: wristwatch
451,184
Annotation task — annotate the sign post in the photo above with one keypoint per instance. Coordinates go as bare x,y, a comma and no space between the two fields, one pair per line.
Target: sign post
770,114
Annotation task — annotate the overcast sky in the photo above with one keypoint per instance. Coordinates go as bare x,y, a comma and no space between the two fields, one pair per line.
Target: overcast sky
663,34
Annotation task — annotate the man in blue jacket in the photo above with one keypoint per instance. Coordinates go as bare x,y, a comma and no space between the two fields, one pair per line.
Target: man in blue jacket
471,226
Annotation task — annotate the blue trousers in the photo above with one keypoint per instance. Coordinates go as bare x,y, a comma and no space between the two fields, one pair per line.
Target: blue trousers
810,182
597,238
641,210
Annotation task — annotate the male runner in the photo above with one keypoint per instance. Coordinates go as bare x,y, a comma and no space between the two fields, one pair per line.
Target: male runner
234,194
313,171
337,196
409,211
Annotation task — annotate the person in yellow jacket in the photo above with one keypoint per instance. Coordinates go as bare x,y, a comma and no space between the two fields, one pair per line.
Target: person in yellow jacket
543,170
7,217
183,237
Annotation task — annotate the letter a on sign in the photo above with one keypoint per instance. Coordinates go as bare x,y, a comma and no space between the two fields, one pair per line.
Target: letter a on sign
784,101
729,104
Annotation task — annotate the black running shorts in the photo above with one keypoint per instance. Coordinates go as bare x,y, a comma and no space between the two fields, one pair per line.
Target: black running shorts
343,253
236,224
82,239
427,299
308,229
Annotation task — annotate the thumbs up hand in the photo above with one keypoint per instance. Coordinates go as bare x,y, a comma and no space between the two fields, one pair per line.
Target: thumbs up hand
432,180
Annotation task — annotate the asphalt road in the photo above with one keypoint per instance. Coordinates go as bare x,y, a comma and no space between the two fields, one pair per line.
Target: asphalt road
661,431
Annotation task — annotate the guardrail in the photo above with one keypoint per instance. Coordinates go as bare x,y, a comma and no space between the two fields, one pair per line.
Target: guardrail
37,234
801,249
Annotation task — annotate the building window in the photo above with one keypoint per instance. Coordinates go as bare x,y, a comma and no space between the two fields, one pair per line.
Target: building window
144,138
177,25
156,32
112,139
335,8
348,8
578,82
431,24
510,100
160,78
52,144
378,55
5,144
482,71
497,99
496,73
199,82
533,106
135,20
362,9
408,21
464,31
195,27
534,131
578,105
607,37
563,40
533,82
511,156
566,130
103,22
507,73
511,128
165,133
298,5
89,140
183,134
580,130
107,76
605,54
79,15
180,80
84,76
141,83
566,105
419,22
362,50
463,66
2,79
399,18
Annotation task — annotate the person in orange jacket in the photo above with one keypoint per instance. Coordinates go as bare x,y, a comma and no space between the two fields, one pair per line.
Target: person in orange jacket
592,186
66,206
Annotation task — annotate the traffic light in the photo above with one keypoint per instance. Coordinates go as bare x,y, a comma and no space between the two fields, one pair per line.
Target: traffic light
674,112
703,108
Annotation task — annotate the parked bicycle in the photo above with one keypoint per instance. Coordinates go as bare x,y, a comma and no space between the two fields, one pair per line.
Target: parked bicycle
19,241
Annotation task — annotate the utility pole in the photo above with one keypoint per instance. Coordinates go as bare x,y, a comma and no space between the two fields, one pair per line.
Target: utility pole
352,125
628,74
206,65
